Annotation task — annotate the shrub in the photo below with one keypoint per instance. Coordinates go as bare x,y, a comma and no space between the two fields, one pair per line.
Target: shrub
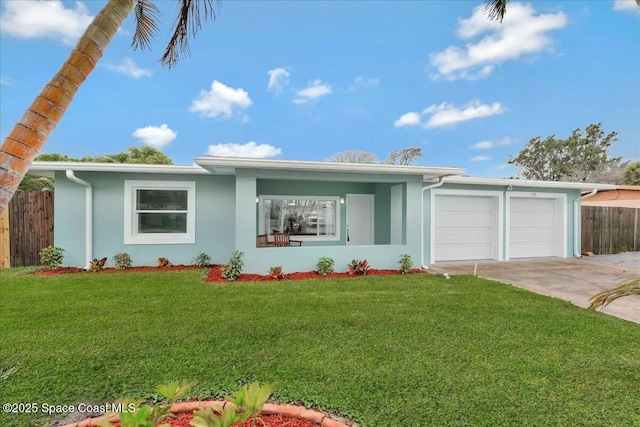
276,273
250,400
51,256
164,263
202,260
98,263
406,263
122,260
358,267
233,269
325,266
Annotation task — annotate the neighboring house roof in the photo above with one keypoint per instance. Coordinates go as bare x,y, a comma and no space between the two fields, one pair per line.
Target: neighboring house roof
625,196
528,183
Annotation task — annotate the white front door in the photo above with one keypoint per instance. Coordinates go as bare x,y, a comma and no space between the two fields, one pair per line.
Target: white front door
360,219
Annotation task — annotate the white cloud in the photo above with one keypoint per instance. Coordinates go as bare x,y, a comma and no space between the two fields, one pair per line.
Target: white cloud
129,67
630,6
220,100
250,149
29,19
480,158
278,79
5,81
314,90
156,136
362,83
522,32
448,114
483,145
407,119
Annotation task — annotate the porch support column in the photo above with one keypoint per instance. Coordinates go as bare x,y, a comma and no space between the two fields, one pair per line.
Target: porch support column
246,208
413,200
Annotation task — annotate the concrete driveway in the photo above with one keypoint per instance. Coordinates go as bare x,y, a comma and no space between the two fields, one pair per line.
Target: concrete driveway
571,279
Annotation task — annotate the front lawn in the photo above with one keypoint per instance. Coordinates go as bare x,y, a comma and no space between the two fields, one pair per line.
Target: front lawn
384,351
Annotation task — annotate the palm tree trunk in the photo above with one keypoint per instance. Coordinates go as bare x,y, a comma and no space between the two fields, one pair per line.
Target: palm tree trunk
29,135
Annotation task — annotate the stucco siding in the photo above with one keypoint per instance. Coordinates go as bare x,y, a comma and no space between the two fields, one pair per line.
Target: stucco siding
214,228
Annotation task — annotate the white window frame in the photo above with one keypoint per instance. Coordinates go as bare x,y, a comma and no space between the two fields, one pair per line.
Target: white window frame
131,234
336,199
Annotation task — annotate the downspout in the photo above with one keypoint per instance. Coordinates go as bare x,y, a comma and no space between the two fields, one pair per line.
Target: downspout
577,228
88,200
428,187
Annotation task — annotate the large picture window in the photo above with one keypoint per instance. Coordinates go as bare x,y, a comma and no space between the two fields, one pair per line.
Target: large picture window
159,212
306,217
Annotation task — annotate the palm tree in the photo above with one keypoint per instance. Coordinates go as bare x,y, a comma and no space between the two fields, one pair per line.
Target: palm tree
29,135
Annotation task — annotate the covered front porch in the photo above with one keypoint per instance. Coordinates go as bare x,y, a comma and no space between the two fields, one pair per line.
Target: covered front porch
341,211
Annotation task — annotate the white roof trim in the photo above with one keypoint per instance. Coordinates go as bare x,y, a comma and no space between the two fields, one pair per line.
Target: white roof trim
40,167
225,163
527,183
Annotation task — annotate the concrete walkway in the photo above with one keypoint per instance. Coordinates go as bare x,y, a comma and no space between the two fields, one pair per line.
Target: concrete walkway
571,279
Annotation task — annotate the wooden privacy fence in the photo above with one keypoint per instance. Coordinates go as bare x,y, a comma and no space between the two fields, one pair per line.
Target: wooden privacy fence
26,227
610,230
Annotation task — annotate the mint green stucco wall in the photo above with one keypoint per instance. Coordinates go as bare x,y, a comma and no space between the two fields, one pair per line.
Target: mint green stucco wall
572,195
215,219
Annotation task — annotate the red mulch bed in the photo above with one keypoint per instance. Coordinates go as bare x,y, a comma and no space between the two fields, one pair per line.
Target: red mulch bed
215,275
275,420
75,270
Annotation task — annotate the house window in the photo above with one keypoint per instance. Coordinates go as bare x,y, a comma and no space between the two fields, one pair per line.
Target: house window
158,212
306,217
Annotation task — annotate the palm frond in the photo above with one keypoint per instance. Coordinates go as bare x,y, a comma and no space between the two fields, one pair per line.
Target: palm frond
495,9
605,298
187,24
147,14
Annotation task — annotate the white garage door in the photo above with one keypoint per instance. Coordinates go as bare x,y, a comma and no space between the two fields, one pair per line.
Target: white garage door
534,229
464,228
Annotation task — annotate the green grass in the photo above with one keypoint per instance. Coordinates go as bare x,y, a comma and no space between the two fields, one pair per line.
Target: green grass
384,351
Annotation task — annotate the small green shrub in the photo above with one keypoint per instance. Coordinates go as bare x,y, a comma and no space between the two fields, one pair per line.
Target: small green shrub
202,260
325,266
150,415
51,256
250,401
358,267
233,269
214,416
122,260
406,263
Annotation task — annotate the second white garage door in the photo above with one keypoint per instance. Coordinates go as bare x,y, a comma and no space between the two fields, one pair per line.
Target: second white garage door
535,227
465,228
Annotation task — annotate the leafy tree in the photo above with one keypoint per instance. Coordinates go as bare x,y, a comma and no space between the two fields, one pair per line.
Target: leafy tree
574,159
145,155
632,174
29,135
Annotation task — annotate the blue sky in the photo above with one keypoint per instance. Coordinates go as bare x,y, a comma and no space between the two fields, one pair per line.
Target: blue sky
306,79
